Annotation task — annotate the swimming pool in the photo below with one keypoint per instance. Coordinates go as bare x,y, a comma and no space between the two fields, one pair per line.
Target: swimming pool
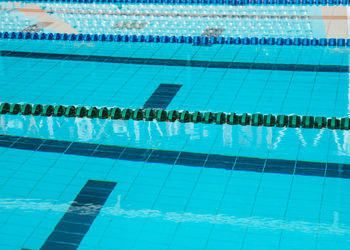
174,126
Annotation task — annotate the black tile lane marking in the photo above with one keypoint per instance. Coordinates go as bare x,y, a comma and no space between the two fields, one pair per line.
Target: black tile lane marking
179,63
162,96
337,170
80,215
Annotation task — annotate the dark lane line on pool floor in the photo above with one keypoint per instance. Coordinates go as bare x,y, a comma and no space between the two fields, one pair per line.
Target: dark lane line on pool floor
337,170
80,215
178,62
162,96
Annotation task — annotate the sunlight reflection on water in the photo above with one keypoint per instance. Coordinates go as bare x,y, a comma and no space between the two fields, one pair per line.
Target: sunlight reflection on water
32,205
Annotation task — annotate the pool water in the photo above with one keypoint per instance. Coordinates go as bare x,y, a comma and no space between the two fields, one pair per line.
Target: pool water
91,183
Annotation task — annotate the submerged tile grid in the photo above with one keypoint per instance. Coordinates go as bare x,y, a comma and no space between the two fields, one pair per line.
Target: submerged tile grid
147,212
157,205
156,196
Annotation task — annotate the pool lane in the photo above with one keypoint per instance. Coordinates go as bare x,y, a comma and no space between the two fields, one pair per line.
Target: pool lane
222,78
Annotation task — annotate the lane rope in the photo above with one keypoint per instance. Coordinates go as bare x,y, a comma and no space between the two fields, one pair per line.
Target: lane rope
183,116
196,40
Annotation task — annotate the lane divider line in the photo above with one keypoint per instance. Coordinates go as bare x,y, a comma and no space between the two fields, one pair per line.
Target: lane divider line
183,116
198,40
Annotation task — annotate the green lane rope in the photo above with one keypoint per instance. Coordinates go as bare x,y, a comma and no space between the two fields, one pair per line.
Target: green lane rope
268,120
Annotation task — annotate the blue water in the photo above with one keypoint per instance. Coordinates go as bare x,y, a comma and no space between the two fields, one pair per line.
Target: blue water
171,206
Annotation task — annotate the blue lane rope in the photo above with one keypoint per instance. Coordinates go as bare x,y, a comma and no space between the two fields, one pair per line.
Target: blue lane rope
197,40
228,2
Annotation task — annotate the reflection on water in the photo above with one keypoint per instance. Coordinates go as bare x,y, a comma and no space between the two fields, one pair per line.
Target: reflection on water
94,130
33,205
279,137
85,129
319,136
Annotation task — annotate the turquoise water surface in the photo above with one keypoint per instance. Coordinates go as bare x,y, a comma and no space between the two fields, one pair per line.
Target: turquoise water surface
211,186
